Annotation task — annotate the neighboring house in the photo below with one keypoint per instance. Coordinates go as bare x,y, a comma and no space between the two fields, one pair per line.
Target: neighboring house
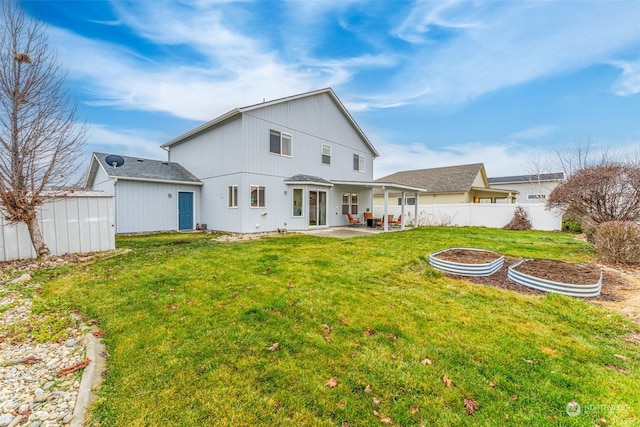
532,188
150,195
294,163
447,185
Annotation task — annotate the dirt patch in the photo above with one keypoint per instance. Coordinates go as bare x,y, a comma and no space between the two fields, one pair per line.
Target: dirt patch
620,284
559,271
466,256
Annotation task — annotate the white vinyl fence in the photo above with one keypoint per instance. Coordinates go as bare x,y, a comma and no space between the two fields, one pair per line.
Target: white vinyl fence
492,215
80,223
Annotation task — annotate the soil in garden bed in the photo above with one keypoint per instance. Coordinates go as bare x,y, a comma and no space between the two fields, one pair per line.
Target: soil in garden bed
465,256
559,271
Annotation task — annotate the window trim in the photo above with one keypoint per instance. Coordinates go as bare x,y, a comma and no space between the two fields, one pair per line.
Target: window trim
349,206
360,163
281,134
232,193
323,154
257,205
293,193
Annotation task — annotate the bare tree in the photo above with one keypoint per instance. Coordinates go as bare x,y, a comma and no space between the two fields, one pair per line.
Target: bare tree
601,193
39,137
579,155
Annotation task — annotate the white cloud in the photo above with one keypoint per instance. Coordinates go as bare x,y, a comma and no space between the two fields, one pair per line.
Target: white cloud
126,142
629,82
508,43
534,132
499,159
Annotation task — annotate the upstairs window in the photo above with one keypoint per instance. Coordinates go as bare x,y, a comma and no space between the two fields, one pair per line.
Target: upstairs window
326,154
358,163
280,143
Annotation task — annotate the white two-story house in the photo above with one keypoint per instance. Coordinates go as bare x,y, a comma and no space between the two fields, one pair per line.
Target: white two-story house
294,163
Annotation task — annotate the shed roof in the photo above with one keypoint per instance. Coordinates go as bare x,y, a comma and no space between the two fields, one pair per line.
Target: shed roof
139,169
237,111
555,176
448,179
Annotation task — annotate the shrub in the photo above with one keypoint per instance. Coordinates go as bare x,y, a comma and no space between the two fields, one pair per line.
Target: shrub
520,220
571,225
618,241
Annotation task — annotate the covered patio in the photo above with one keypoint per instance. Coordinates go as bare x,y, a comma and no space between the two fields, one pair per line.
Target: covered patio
386,188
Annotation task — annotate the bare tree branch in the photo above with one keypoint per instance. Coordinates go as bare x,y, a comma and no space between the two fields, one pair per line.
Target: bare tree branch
40,141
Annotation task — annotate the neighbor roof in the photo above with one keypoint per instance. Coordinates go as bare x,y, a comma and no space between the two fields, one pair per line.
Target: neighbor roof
139,169
238,111
556,176
449,179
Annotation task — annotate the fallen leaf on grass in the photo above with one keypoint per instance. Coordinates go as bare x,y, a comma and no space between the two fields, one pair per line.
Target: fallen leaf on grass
376,414
492,384
369,332
172,307
376,401
514,397
345,424
427,362
447,381
530,362
506,417
290,285
414,409
275,346
76,367
367,389
333,382
99,334
386,420
601,422
471,406
341,405
621,357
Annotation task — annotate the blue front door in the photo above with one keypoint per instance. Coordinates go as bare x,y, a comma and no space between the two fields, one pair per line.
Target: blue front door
185,210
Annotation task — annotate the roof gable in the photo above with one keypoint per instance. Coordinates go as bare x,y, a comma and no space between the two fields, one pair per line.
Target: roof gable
136,168
239,111
449,179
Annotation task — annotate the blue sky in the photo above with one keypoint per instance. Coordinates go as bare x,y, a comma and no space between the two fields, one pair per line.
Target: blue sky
431,83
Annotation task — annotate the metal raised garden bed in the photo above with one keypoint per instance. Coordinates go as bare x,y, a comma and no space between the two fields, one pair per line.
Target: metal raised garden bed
465,269
574,290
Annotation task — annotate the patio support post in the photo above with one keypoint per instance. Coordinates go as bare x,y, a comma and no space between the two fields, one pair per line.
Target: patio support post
416,212
385,218
402,210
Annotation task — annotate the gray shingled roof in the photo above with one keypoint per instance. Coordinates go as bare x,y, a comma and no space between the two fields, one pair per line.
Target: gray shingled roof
449,179
307,178
147,169
527,178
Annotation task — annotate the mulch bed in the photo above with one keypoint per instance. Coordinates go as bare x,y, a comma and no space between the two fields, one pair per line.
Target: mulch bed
558,271
465,256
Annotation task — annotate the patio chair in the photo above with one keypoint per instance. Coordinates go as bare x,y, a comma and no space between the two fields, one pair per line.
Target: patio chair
380,223
352,220
397,222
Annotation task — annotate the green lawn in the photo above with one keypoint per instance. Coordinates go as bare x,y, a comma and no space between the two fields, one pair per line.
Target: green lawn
191,326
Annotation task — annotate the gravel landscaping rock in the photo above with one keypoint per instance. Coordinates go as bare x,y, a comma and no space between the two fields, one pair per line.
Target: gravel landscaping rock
31,392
